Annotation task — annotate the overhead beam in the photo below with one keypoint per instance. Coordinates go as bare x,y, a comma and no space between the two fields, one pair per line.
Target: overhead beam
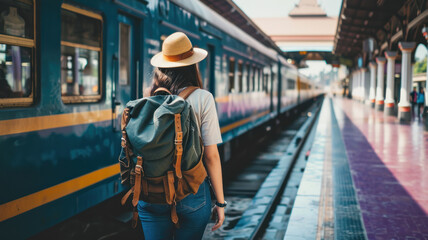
347,49
359,9
354,34
364,27
415,22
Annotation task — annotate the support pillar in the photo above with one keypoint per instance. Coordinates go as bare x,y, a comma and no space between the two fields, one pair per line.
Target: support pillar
357,84
404,108
372,93
352,89
390,72
363,84
410,82
425,113
380,83
355,90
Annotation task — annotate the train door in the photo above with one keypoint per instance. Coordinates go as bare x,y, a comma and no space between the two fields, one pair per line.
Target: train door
126,65
209,81
128,60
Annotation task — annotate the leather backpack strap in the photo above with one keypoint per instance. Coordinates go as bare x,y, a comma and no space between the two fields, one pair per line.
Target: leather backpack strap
126,196
124,140
178,144
137,187
162,89
187,91
170,195
134,218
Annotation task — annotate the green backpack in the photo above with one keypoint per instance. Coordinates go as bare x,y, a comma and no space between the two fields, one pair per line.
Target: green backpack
161,158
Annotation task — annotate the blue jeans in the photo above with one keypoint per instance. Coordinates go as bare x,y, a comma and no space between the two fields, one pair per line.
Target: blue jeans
193,213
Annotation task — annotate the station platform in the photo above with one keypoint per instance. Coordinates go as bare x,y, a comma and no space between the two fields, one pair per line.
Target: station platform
366,177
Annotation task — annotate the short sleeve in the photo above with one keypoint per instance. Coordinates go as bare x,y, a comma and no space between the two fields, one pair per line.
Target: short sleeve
210,128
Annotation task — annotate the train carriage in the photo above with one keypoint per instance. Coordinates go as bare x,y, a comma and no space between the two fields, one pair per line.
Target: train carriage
67,68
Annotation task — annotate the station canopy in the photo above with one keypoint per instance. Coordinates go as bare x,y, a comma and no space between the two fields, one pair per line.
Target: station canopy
363,19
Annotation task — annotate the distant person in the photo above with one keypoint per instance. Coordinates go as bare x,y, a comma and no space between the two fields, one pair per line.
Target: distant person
414,99
420,101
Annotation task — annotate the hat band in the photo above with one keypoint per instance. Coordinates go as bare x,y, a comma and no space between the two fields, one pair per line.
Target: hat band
176,58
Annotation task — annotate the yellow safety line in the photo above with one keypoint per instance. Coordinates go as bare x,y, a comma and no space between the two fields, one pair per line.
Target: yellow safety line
37,199
30,124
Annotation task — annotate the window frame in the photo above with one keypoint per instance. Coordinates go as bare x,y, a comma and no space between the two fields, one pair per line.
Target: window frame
28,43
92,98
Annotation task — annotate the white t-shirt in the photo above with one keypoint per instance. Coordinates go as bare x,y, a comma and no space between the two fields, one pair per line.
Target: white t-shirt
203,105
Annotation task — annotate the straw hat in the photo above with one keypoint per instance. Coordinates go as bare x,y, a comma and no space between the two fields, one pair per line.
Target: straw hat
177,51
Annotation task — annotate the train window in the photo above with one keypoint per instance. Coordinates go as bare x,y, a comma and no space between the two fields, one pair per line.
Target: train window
232,75
265,82
266,79
262,77
124,53
17,46
291,84
81,47
249,74
256,77
253,78
240,74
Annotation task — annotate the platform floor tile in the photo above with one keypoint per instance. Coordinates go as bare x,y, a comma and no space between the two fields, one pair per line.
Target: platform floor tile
389,166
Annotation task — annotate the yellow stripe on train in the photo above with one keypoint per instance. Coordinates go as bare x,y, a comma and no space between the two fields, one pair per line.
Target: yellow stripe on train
37,199
22,125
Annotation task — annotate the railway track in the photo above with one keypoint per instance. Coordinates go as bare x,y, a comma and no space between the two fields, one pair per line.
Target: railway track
261,195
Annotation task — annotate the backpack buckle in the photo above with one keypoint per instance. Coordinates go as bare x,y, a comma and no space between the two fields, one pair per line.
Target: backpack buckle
138,169
176,142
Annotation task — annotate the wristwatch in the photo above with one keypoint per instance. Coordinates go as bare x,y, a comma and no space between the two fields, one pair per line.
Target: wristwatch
222,205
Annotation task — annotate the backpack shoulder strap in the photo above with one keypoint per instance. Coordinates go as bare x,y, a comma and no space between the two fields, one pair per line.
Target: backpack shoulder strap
162,89
186,92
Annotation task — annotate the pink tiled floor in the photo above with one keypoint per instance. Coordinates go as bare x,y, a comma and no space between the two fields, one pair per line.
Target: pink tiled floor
403,148
389,170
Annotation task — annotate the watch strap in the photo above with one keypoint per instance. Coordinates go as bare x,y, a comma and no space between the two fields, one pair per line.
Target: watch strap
222,205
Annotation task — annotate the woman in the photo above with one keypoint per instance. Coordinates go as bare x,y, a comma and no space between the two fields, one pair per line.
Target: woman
421,101
176,69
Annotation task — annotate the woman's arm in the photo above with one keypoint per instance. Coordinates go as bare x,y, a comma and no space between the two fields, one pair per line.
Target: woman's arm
213,166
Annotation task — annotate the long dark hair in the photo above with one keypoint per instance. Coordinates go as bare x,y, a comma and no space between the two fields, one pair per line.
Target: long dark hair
174,79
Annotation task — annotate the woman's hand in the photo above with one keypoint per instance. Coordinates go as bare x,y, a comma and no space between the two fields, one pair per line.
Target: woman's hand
218,213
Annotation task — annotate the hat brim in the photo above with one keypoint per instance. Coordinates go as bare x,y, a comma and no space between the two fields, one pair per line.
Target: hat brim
158,60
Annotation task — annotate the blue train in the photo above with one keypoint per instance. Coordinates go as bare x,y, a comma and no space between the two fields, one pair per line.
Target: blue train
67,68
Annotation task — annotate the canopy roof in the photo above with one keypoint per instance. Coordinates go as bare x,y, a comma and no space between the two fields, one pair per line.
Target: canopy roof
363,19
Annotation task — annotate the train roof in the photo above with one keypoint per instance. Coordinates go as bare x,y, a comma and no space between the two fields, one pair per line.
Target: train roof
204,12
